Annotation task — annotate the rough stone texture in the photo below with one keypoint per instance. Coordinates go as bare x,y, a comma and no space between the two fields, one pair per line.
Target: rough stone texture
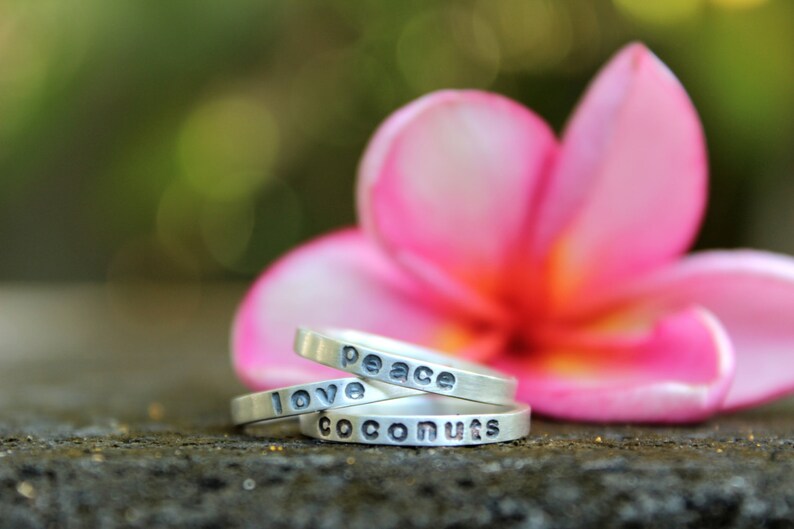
113,414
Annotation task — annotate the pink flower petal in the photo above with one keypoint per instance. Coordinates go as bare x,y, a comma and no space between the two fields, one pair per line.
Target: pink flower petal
447,186
752,294
629,189
339,280
676,369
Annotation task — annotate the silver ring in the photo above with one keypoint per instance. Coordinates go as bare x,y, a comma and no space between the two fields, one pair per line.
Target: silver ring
403,364
307,398
420,421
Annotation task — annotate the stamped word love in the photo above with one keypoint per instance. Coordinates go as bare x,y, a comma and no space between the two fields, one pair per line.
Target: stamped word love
301,399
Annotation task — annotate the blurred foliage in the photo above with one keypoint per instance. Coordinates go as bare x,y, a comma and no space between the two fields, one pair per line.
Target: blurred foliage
200,139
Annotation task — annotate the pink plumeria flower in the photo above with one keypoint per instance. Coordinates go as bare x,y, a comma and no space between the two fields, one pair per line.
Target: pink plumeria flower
559,261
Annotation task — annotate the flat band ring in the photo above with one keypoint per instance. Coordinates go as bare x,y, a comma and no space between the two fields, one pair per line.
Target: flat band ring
403,364
307,398
425,420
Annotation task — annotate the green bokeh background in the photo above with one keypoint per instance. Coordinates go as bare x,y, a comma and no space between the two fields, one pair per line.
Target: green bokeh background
198,140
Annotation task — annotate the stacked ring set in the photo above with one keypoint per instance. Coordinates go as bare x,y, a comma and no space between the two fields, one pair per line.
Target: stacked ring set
401,394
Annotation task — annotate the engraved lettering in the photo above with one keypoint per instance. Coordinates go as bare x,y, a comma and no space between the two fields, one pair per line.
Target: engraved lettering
426,429
398,432
422,375
475,427
326,395
355,390
445,380
325,426
372,364
458,436
370,430
349,355
399,372
276,400
344,428
300,399
492,428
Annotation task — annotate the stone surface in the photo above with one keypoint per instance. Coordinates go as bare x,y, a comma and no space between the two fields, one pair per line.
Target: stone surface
113,413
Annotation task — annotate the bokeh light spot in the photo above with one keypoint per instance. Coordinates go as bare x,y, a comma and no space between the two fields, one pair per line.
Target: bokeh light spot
226,229
738,4
532,34
662,13
177,226
228,146
448,48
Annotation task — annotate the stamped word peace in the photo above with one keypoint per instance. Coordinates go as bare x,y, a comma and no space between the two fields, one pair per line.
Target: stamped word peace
402,373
